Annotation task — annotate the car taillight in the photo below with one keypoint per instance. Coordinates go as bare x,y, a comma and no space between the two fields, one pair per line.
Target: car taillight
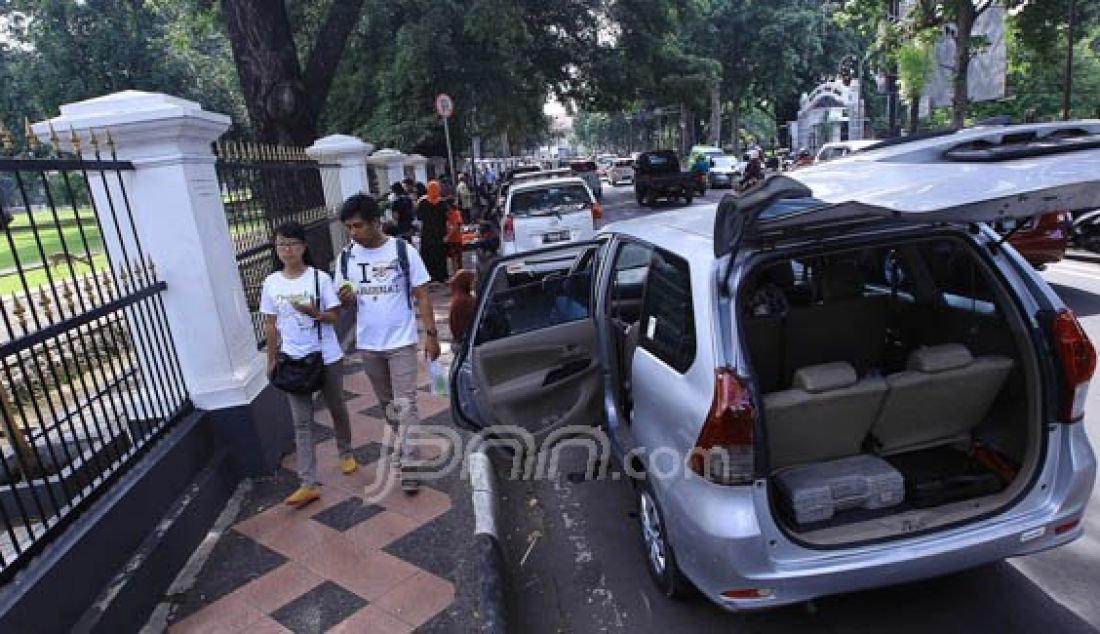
597,212
1078,359
508,233
724,450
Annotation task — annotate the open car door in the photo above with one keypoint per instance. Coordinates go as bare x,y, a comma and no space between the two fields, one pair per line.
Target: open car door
530,365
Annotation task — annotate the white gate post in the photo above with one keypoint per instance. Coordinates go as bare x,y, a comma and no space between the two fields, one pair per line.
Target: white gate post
349,154
179,217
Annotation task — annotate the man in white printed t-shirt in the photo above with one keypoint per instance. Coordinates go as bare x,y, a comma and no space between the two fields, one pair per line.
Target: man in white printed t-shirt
381,277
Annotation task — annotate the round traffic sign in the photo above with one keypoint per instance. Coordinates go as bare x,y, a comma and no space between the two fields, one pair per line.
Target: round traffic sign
444,105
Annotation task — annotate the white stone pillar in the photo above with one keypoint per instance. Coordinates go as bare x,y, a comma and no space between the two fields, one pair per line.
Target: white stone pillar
349,154
179,217
420,167
389,167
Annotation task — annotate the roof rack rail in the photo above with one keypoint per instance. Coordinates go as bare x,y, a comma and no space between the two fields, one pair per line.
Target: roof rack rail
1026,143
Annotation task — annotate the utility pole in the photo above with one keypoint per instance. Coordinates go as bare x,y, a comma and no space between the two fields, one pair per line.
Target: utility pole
1068,92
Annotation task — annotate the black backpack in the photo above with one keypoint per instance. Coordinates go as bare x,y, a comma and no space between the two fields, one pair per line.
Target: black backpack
402,262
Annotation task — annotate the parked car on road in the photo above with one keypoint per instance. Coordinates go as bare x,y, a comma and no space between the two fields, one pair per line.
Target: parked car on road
657,175
1086,231
840,149
836,382
724,172
540,212
1041,240
621,172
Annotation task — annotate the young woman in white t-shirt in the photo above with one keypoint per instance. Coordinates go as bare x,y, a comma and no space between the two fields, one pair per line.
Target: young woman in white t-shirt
292,313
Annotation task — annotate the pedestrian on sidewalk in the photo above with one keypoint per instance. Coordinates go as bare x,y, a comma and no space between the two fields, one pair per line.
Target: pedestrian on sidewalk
454,239
403,213
380,277
461,314
432,213
299,305
465,197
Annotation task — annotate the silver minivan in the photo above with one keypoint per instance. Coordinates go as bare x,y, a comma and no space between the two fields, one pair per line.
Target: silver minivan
833,382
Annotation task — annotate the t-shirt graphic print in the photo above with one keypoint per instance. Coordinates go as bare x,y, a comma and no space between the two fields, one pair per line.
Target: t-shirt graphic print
384,320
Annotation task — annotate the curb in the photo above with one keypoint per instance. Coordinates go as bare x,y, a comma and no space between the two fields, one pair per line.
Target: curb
488,552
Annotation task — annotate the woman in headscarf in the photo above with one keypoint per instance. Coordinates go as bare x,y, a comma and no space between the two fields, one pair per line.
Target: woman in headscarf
432,212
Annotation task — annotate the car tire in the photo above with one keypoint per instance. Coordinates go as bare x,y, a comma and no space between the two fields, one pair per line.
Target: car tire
688,199
659,556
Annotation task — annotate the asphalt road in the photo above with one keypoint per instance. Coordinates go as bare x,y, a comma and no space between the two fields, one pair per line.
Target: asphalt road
576,561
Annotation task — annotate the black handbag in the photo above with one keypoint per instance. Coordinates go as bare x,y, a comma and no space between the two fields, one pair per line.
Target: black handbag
307,374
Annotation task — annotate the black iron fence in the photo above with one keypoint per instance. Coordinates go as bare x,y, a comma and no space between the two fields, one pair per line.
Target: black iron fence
89,376
263,186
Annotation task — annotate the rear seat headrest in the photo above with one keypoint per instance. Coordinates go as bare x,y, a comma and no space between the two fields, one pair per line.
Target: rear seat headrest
947,356
842,280
780,274
825,376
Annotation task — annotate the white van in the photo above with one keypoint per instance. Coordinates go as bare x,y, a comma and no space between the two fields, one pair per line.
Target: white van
548,212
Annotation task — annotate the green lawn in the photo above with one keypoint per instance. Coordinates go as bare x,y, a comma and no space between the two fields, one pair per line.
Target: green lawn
50,234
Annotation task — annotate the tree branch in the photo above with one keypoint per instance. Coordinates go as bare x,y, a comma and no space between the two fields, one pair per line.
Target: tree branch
328,47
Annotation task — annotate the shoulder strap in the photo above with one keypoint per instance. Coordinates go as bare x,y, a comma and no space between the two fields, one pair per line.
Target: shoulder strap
317,289
403,263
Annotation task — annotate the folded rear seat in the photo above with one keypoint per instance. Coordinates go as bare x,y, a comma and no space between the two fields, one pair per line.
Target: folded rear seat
942,395
826,415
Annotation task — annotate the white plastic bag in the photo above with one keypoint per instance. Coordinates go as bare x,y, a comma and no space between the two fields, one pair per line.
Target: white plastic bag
438,380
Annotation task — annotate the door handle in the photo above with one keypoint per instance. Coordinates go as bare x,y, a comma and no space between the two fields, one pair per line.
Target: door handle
567,369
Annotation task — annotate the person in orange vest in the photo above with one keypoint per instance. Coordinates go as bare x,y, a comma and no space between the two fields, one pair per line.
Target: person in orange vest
454,238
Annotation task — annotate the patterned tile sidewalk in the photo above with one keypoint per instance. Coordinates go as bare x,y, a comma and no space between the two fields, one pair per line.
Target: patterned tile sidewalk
364,558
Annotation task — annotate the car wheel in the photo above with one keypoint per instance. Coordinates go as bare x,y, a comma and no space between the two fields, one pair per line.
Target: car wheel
660,559
650,199
688,199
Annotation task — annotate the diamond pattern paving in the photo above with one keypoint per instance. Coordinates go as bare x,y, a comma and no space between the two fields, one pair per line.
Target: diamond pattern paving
319,609
343,563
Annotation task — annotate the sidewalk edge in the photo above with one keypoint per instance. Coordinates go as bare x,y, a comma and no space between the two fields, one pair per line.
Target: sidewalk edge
490,556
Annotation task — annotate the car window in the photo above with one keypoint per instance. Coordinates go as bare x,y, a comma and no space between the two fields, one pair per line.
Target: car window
624,163
725,162
628,276
549,200
529,296
583,166
668,317
958,279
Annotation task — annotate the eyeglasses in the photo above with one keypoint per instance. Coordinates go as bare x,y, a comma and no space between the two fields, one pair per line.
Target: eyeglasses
288,245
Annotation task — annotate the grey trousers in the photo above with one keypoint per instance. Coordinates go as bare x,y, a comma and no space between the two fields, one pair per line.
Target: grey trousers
301,410
392,374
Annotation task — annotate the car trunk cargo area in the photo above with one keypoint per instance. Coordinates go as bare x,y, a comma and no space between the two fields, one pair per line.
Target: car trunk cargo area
897,386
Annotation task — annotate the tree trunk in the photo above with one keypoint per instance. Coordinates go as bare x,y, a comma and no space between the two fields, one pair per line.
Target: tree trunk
964,24
714,131
284,105
685,122
735,127
914,114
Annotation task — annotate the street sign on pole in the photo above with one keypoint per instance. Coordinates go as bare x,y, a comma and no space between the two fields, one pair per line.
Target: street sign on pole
445,107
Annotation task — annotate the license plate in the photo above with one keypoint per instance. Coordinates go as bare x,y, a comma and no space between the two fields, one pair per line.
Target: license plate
555,236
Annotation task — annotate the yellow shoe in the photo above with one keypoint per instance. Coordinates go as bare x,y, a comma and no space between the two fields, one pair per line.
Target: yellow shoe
304,495
348,465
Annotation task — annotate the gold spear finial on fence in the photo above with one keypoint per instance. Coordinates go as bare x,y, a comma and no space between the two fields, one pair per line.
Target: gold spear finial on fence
67,294
89,285
55,140
93,141
74,138
110,142
32,138
152,268
44,302
6,140
20,313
